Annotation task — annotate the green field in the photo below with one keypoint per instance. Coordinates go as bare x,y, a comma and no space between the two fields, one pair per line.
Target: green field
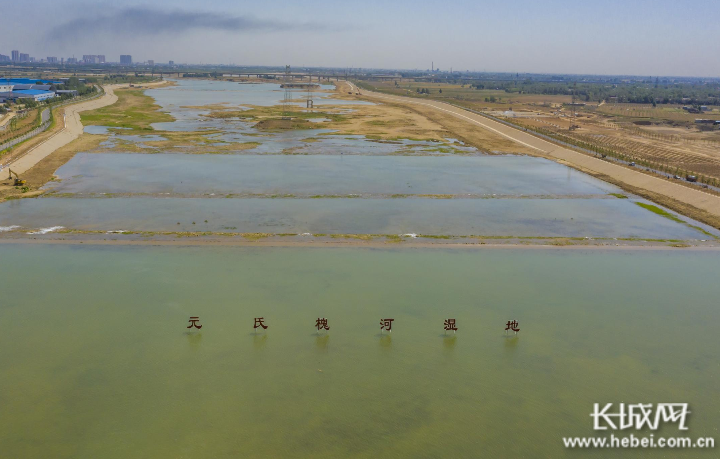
133,110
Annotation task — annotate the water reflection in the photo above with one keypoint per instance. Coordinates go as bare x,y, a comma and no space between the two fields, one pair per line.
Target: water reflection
321,174
518,217
511,343
259,340
194,339
321,341
449,342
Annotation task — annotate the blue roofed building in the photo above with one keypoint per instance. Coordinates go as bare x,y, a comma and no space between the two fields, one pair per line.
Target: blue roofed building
36,94
27,81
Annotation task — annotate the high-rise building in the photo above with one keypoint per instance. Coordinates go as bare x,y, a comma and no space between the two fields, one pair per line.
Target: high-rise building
32,59
72,60
16,55
151,62
89,58
171,63
125,59
101,58
4,58
52,60
24,57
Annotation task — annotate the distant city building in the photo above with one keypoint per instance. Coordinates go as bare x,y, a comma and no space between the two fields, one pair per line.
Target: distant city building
15,55
125,59
151,62
24,57
32,59
93,58
52,60
72,60
4,58
171,63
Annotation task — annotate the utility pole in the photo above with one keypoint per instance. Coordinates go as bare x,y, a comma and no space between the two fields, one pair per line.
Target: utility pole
286,99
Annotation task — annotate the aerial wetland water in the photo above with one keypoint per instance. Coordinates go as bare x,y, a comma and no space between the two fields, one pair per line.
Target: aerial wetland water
587,218
98,362
314,181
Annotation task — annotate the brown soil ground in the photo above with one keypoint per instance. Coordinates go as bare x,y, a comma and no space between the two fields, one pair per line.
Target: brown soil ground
662,142
43,172
414,121
279,124
693,203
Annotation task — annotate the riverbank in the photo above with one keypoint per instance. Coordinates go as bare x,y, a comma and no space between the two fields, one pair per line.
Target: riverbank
696,204
37,159
120,238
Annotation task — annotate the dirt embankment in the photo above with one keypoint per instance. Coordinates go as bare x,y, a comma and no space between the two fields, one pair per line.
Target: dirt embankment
696,204
43,171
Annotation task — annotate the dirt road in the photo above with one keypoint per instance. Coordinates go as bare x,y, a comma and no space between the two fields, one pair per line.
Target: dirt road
71,130
635,179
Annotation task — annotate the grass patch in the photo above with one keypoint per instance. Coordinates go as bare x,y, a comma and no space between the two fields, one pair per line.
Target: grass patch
618,195
660,212
256,236
273,112
437,196
133,110
695,227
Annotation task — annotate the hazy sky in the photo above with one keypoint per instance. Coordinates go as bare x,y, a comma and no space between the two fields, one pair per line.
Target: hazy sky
639,37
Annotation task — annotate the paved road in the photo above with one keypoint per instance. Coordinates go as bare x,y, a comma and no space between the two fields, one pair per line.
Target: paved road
697,198
71,130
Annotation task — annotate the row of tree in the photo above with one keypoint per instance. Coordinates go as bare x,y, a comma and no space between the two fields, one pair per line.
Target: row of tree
676,93
426,91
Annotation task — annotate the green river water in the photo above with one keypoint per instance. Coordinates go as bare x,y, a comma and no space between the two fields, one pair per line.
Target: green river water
97,361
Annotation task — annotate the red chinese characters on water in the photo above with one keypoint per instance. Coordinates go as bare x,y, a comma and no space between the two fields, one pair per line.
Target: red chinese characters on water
386,324
194,322
449,325
512,325
322,323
